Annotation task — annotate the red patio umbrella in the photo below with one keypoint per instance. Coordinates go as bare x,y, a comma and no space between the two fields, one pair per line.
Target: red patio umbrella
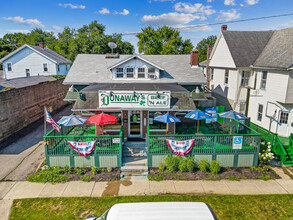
103,119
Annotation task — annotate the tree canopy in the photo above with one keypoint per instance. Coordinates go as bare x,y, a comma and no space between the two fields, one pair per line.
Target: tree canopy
164,40
203,45
90,39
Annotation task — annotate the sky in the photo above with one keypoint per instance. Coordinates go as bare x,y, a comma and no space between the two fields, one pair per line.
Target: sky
128,16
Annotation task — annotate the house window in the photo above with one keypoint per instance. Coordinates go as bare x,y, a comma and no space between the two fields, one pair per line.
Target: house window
284,117
226,76
259,112
212,87
129,72
156,125
119,73
9,67
117,125
45,67
264,79
141,73
28,72
58,68
212,73
151,70
245,78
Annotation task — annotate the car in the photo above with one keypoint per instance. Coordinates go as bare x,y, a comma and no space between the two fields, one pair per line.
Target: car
158,211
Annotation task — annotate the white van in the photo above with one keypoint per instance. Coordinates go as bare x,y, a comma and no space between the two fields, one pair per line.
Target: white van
158,211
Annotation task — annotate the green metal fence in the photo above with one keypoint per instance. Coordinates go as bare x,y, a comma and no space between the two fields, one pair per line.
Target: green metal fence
210,147
107,151
284,153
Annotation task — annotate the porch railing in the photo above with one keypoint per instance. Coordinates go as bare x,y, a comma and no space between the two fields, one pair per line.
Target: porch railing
108,149
210,146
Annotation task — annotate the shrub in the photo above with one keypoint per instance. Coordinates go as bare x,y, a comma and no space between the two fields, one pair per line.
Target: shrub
233,178
86,178
190,164
78,171
172,163
215,167
67,169
162,166
203,166
266,155
109,169
95,170
51,175
183,165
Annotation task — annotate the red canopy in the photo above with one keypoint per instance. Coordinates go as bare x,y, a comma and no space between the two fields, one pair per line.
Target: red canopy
103,119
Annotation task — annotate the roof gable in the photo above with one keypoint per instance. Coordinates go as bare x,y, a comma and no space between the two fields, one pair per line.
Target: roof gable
133,57
47,53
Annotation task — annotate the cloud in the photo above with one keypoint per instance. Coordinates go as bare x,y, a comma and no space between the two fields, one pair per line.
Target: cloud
18,31
191,28
124,12
210,0
252,2
104,11
229,2
169,19
194,8
28,22
71,6
56,27
228,15
285,25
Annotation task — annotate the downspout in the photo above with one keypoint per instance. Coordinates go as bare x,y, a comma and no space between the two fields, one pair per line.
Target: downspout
236,91
247,101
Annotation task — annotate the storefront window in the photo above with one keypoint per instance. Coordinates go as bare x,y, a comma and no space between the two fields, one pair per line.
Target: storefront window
186,126
156,125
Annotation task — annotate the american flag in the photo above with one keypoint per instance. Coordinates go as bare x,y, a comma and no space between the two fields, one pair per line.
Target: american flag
52,121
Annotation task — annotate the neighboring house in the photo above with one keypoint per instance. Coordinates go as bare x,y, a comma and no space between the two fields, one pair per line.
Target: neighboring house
136,88
31,60
252,72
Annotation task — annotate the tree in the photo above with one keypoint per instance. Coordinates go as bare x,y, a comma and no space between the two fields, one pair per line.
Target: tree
203,45
164,40
90,39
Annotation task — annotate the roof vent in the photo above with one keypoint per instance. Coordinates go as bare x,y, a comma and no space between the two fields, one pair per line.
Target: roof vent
112,56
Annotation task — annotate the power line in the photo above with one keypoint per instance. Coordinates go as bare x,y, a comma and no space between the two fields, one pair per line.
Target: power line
179,28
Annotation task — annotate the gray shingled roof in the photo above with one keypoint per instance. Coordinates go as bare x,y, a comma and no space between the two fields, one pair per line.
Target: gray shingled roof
25,81
93,68
246,46
279,50
51,54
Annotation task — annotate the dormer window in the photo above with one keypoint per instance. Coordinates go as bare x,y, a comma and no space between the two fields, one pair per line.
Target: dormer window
119,73
129,72
151,72
141,73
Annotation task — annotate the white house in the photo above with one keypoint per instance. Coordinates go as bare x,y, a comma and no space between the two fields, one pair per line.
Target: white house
31,60
252,72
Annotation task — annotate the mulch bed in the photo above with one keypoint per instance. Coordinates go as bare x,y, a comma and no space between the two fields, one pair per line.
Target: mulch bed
225,173
102,175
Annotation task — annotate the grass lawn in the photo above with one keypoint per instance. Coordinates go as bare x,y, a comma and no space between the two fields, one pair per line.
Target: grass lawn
225,206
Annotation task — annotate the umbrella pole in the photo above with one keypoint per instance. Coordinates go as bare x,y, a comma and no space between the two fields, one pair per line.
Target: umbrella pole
166,128
231,127
102,129
96,130
197,126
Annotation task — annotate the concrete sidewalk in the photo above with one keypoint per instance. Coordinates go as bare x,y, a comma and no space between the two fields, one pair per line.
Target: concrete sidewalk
24,189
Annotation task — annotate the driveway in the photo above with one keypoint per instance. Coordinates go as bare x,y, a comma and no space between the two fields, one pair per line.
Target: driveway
23,156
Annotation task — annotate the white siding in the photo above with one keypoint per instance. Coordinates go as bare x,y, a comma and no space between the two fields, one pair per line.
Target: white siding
276,88
221,56
136,63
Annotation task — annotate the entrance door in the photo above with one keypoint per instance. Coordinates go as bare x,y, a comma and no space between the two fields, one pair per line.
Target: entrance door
134,125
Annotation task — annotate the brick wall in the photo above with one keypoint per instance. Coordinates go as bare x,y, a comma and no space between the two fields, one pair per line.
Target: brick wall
23,106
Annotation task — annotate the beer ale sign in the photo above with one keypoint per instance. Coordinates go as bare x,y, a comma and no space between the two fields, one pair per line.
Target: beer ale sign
137,99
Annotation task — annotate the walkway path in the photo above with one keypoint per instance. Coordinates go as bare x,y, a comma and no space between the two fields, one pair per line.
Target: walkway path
132,186
22,157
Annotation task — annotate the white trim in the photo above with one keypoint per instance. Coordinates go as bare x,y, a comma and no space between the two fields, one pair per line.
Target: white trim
11,71
47,68
130,58
29,72
134,135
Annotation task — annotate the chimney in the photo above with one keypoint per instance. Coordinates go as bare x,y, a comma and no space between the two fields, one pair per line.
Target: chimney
194,57
224,27
41,45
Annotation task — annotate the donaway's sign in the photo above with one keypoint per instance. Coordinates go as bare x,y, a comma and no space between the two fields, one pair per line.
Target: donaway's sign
121,99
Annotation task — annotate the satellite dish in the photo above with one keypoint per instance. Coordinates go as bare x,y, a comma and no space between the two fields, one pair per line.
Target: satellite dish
112,45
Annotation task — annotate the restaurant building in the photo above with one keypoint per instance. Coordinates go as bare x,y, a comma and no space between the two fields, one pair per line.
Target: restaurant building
136,88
